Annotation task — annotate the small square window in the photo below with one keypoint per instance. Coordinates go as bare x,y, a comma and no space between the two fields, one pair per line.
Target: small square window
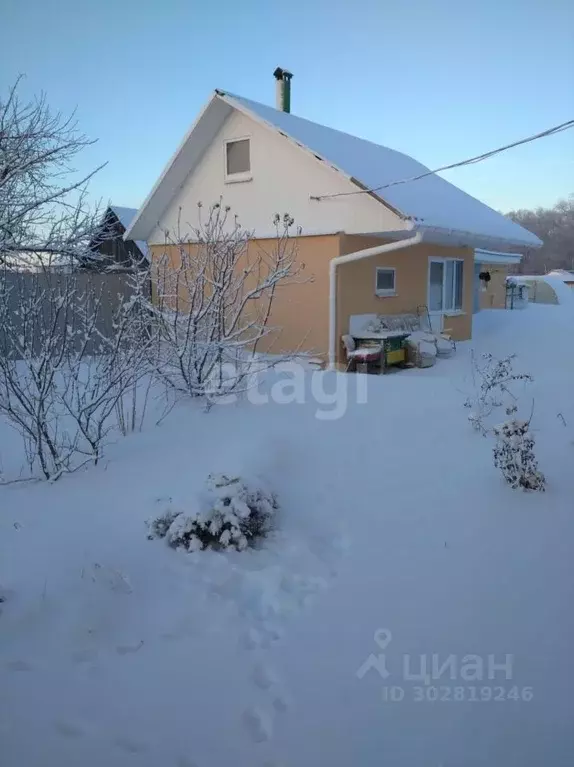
237,160
385,282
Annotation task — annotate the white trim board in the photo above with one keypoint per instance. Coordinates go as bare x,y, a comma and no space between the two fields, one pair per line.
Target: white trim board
492,257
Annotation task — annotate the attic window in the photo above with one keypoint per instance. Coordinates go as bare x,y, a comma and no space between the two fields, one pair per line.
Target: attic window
237,160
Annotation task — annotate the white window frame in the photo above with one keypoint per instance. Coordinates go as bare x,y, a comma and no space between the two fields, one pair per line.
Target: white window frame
446,309
233,178
390,292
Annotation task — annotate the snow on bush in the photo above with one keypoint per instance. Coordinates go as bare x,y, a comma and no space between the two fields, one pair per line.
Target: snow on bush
232,515
514,456
211,311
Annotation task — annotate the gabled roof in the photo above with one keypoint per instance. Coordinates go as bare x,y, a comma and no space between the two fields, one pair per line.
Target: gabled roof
431,203
125,217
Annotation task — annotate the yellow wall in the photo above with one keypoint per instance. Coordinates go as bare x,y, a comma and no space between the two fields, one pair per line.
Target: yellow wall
494,297
356,283
301,310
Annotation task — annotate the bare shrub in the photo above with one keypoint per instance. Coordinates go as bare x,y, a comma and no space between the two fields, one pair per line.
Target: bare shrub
67,362
103,368
493,388
514,456
212,303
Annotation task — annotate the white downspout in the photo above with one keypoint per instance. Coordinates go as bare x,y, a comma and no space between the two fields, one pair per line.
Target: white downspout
357,256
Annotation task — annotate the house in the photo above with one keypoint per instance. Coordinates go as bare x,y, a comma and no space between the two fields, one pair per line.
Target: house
379,234
110,250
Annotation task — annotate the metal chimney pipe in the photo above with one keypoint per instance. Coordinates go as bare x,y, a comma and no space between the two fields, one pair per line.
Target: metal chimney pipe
283,89
279,93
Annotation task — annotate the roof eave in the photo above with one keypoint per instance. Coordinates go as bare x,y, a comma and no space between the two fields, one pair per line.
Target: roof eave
460,238
140,228
492,257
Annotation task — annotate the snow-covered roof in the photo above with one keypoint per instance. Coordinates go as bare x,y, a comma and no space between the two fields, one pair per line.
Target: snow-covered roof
126,216
562,274
564,294
432,203
491,257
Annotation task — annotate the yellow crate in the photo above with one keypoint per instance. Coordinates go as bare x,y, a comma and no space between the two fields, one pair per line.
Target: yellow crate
394,357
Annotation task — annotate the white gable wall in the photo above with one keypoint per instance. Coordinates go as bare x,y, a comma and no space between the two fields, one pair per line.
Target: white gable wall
283,178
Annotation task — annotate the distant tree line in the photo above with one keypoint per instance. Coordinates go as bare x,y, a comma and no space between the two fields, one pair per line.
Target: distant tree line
555,227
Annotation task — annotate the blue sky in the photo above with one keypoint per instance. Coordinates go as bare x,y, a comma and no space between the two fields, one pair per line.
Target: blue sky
440,80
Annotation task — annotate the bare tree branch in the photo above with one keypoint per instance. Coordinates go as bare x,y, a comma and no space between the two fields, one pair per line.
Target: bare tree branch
44,207
213,300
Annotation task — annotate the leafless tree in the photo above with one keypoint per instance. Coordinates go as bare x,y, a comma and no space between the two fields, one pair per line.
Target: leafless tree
66,375
44,211
213,299
555,227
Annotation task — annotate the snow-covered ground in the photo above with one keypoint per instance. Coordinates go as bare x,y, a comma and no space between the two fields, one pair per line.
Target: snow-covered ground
397,537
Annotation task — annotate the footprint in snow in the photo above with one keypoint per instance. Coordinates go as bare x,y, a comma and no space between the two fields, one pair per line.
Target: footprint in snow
271,634
258,724
183,761
18,665
69,729
254,638
280,703
130,746
129,649
84,656
264,677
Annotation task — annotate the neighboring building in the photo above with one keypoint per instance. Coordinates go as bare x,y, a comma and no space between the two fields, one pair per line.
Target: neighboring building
110,249
492,271
372,243
564,275
545,288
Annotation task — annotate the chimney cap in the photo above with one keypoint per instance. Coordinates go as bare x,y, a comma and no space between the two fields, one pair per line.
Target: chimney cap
282,74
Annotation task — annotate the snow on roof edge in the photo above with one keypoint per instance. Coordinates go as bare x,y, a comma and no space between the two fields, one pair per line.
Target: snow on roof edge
125,216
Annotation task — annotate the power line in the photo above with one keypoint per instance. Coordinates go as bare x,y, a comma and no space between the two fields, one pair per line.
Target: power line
470,161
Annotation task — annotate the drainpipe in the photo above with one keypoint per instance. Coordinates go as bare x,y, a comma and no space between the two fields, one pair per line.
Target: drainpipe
283,89
357,256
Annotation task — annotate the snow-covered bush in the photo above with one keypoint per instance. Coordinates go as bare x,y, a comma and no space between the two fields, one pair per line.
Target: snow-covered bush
159,526
68,364
493,389
232,515
514,456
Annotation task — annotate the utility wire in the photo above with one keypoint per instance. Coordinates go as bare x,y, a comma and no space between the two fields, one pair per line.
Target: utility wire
470,161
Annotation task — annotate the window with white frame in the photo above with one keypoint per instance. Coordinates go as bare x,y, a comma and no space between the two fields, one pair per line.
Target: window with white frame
446,278
237,160
385,281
